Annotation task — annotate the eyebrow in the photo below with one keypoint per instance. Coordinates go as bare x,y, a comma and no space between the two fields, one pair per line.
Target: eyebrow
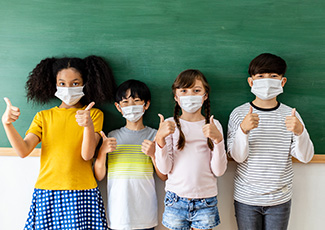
76,79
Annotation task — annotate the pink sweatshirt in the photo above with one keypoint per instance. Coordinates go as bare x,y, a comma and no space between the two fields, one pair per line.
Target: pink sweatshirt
193,171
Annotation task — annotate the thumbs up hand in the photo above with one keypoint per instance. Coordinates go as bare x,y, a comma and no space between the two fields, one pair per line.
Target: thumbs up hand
211,131
250,121
165,128
109,143
83,116
293,124
148,148
11,114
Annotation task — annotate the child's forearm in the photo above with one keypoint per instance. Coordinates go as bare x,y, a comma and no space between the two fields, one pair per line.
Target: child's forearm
219,159
100,167
89,143
23,147
163,162
238,149
162,177
304,148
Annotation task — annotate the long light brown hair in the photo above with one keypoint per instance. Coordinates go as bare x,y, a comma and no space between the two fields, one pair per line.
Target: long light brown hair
186,79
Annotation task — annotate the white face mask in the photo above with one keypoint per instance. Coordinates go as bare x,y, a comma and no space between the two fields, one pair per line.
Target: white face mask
191,104
69,95
133,113
267,88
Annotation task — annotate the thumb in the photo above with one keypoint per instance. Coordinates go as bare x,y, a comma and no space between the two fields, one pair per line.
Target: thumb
293,112
7,101
90,106
250,110
211,120
162,119
103,135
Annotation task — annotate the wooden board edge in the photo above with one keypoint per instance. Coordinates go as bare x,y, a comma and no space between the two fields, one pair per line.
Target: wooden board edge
318,158
11,152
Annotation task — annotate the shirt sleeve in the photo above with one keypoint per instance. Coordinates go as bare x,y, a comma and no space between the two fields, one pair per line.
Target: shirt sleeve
302,147
237,140
36,126
164,156
98,118
219,157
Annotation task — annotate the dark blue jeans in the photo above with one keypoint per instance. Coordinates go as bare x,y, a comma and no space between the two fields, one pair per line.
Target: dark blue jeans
262,217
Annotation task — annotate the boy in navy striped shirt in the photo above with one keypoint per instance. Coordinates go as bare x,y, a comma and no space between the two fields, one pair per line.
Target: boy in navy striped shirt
263,135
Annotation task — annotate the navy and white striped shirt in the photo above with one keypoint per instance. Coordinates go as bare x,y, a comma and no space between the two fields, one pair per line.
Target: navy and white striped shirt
264,174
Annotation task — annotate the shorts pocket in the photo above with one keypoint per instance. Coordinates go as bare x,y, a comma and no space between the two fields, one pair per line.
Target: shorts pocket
210,202
170,199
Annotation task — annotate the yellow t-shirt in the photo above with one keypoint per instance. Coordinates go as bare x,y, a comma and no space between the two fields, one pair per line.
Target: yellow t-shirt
62,167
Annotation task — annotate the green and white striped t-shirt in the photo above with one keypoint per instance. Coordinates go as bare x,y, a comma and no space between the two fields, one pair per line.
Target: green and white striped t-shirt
132,200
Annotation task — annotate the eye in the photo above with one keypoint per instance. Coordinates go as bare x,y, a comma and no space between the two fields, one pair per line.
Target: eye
61,84
124,102
197,90
183,90
137,100
274,75
260,76
75,83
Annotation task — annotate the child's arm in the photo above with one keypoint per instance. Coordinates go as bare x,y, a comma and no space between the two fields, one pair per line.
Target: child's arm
218,162
90,138
238,134
148,147
303,147
108,145
23,147
163,159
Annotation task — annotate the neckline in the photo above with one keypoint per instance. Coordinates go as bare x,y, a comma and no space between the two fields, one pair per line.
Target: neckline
265,109
134,131
58,108
203,120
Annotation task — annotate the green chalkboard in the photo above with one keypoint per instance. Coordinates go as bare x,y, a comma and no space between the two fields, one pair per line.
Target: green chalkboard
154,40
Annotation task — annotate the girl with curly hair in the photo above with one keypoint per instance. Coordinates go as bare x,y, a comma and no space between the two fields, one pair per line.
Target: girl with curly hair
66,195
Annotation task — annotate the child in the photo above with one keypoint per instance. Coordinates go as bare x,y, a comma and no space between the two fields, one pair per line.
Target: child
66,195
132,200
262,137
193,155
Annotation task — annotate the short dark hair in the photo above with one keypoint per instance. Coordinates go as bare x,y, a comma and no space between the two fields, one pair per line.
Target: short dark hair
267,63
137,89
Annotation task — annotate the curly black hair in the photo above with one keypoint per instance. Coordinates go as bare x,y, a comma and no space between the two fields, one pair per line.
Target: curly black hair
99,83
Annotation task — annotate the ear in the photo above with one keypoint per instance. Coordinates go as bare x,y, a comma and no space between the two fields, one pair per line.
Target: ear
177,99
284,81
147,105
117,105
250,81
205,97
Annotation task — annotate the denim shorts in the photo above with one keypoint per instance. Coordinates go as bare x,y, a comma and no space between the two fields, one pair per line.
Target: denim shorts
183,213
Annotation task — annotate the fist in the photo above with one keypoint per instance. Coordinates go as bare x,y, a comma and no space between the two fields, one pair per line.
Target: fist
250,121
148,148
293,124
83,116
11,114
165,127
211,131
109,144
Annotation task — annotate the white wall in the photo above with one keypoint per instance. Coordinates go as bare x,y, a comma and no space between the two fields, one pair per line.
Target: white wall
18,176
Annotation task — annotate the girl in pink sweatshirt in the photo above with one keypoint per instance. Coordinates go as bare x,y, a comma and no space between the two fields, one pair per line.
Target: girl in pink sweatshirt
190,150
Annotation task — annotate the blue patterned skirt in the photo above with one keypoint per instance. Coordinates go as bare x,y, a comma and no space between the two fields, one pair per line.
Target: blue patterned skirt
66,209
